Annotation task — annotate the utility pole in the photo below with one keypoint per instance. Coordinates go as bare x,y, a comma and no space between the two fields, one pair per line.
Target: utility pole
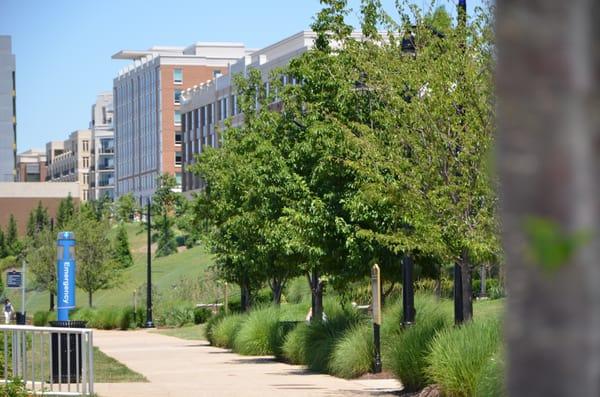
149,322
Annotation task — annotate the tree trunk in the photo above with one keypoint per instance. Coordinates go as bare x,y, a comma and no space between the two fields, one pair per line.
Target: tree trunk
51,302
467,287
549,164
277,290
482,278
90,298
245,300
463,290
316,287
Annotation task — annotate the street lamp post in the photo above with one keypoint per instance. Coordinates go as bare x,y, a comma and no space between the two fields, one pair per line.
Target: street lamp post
459,307
149,322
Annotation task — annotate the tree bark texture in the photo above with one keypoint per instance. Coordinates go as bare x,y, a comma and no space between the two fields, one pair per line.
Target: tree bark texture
316,287
549,163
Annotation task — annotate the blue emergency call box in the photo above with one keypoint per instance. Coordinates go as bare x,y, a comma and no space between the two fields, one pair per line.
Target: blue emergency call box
65,275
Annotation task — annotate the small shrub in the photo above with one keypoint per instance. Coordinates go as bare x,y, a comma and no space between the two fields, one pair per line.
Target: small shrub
491,379
15,387
409,349
458,356
258,335
322,337
201,315
126,318
40,319
312,344
353,354
225,331
295,345
210,326
108,318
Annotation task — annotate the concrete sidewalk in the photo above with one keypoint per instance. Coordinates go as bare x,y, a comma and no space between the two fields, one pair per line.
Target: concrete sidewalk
183,368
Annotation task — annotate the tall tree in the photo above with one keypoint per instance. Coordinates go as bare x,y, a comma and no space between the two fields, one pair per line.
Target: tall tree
3,250
249,186
121,251
96,268
13,245
125,207
549,164
164,202
66,210
41,258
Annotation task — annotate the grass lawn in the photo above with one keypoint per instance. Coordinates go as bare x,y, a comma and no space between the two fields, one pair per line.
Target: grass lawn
489,308
109,370
106,369
166,272
189,332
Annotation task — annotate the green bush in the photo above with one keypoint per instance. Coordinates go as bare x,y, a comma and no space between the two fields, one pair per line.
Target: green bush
295,345
491,379
259,334
408,350
225,331
174,313
201,315
108,318
458,356
40,319
15,387
210,326
312,344
353,354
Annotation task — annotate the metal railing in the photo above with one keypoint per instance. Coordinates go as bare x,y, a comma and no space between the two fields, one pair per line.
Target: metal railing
37,356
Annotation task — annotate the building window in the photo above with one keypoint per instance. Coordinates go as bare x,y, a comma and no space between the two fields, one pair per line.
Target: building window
86,146
178,76
178,137
217,73
85,195
177,97
178,160
178,178
177,117
86,178
86,162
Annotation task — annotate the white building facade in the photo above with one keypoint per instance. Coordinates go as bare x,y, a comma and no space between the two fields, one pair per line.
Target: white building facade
206,106
73,164
102,170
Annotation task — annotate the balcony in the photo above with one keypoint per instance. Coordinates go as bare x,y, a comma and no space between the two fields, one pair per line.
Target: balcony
105,167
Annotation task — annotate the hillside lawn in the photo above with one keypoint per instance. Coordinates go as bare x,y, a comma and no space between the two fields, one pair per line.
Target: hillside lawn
166,272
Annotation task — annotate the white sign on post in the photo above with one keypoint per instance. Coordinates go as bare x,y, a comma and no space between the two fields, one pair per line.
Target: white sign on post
376,288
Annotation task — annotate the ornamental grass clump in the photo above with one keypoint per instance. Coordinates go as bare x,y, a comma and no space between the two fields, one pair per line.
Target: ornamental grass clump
353,353
459,355
491,379
225,331
258,335
408,351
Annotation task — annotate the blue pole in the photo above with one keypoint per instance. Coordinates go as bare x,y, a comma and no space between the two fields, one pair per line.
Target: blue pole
65,274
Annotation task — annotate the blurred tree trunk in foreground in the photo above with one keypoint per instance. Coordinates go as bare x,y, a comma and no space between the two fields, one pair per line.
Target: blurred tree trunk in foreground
549,164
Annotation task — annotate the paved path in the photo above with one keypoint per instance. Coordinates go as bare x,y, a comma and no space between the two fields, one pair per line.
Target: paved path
183,368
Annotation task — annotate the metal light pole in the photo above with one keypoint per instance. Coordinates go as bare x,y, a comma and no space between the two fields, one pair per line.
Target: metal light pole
149,322
459,308
408,292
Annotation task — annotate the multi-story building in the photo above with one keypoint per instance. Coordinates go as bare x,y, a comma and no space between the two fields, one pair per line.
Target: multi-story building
8,112
73,164
102,171
32,166
206,106
147,97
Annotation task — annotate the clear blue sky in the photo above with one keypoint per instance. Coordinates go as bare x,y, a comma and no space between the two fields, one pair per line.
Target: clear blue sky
63,48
